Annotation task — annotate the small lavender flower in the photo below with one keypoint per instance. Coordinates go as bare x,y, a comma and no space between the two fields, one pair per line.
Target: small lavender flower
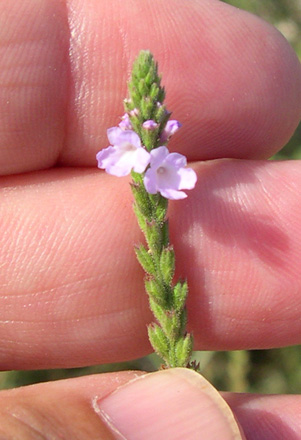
150,125
167,174
171,128
124,155
134,112
125,123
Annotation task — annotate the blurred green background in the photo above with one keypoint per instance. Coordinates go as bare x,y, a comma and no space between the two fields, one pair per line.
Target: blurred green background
264,371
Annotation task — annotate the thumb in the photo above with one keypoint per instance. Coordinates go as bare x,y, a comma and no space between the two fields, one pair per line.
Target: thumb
169,404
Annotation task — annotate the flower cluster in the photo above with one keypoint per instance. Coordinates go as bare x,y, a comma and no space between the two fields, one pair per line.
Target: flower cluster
165,172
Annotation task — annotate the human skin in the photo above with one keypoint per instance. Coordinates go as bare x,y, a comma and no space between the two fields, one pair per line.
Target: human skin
71,289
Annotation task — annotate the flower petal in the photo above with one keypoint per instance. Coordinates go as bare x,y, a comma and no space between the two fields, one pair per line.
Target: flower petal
177,160
157,156
150,181
125,123
188,178
105,157
167,177
114,162
142,159
113,134
172,194
119,171
171,128
118,137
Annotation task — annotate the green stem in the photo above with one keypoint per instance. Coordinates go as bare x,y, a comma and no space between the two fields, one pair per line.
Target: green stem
167,302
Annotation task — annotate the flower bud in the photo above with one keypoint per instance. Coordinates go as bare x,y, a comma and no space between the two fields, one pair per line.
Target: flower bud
150,125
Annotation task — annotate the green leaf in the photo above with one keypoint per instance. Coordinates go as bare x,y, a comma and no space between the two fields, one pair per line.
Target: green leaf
142,87
161,95
183,350
183,320
135,96
137,178
151,76
140,218
153,236
168,320
154,92
158,340
145,259
142,200
165,233
167,264
161,208
158,311
156,292
172,326
162,115
180,292
149,138
147,108
128,105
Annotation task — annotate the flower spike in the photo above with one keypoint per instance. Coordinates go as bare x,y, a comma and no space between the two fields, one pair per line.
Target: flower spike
138,147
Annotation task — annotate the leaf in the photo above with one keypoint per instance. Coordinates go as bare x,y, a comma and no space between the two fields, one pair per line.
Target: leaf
149,138
140,218
172,325
145,259
183,320
154,92
165,233
161,208
156,292
147,108
167,264
180,292
142,87
142,200
183,350
153,236
158,340
158,311
162,115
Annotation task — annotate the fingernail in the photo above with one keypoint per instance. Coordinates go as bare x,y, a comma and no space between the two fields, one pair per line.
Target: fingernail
169,404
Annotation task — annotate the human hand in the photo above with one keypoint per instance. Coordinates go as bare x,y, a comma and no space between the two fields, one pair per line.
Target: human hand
71,289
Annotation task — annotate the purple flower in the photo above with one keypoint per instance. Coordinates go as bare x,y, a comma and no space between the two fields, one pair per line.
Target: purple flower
150,125
134,112
171,128
125,153
167,174
125,123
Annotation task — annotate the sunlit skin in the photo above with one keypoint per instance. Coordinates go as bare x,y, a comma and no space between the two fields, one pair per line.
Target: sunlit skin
71,289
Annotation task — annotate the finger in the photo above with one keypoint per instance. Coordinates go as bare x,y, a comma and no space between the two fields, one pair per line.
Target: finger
72,291
231,79
61,409
33,83
267,417
171,404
